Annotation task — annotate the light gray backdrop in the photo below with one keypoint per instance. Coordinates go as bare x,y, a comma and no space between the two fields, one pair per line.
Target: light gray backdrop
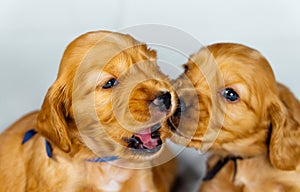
34,34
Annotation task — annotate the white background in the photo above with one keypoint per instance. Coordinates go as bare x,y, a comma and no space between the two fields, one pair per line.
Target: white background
34,34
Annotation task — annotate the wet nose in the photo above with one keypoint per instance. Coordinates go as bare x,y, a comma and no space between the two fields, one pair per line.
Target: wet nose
163,101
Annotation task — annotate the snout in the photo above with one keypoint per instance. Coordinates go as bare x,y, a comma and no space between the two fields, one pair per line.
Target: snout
163,102
149,139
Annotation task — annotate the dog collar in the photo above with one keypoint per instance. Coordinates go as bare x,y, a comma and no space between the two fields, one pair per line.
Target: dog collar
30,133
219,165
102,159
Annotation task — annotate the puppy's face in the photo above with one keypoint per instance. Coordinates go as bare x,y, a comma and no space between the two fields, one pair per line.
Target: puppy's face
226,106
116,95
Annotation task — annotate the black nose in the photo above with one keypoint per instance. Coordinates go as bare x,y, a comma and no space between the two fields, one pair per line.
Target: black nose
163,101
181,107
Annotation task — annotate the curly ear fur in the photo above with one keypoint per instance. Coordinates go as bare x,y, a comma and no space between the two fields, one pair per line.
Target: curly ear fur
51,121
284,149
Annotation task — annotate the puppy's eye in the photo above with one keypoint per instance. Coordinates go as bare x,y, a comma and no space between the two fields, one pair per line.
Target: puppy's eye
110,83
230,95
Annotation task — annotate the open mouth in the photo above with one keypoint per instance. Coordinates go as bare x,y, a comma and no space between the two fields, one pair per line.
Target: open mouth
148,140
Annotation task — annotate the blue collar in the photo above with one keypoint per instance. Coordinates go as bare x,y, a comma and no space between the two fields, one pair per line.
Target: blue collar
102,159
30,133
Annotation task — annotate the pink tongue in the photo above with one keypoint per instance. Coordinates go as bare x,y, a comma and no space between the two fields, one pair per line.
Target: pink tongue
145,137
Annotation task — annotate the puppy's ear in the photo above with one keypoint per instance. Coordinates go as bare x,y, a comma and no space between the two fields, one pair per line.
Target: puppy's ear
284,149
51,121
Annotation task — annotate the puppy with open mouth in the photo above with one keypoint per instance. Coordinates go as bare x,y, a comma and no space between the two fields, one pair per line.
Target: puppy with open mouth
232,106
109,103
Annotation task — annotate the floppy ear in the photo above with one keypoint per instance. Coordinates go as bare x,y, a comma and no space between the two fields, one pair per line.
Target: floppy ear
284,149
51,121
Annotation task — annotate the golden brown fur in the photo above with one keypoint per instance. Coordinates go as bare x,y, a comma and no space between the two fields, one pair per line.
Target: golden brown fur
83,119
262,126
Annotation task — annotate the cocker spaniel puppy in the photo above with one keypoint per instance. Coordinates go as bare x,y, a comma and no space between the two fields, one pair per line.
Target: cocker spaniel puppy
101,126
232,106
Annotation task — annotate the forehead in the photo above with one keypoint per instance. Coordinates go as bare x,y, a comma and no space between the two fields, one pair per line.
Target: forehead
254,71
236,72
112,59
242,61
237,67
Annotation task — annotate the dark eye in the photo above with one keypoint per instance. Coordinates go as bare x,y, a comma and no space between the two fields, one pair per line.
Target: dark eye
230,95
110,83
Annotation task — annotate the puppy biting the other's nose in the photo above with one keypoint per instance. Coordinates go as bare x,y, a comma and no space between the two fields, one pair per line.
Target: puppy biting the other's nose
108,103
